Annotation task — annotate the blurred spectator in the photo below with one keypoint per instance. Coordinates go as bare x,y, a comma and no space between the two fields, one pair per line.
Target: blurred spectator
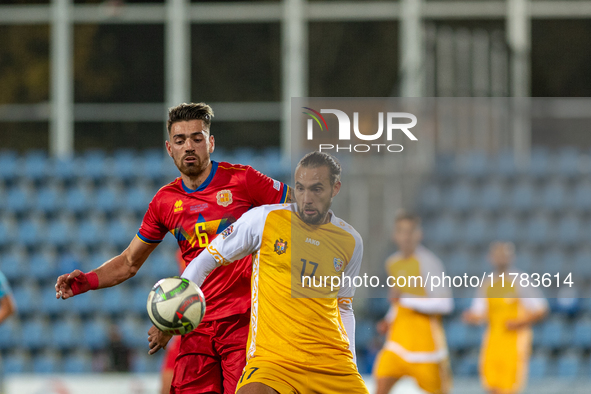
118,353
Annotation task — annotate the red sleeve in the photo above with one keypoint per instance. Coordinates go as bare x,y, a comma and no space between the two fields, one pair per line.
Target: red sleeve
264,190
152,229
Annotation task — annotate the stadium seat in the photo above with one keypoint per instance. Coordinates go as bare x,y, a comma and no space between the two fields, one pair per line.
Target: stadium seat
78,200
26,298
554,196
48,200
365,332
459,262
116,300
134,331
118,233
467,365
107,200
473,164
582,263
538,230
539,365
141,362
95,334
504,164
581,337
124,165
63,170
137,200
524,198
430,199
90,232
568,365
568,163
552,261
507,228
457,335
66,334
14,264
34,165
492,197
18,200
477,231
93,166
569,230
150,164
581,200
7,236
540,163
78,362
59,233
460,197
49,304
8,165
37,334
44,266
551,334
16,363
445,231
10,333
48,362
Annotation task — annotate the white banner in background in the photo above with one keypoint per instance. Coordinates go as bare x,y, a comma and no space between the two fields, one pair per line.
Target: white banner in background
83,384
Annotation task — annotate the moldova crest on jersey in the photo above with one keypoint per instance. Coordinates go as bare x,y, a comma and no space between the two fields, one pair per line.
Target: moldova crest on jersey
338,264
280,246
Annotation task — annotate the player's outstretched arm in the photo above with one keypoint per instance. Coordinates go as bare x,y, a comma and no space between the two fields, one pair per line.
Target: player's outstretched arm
111,273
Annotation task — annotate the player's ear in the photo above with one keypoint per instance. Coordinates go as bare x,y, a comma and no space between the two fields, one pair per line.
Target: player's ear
336,188
168,149
211,144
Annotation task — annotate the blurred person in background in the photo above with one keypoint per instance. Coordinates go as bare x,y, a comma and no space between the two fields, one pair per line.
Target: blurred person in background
206,199
117,351
509,311
415,340
7,307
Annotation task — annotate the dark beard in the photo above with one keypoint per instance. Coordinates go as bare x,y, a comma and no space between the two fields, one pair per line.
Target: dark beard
312,220
193,170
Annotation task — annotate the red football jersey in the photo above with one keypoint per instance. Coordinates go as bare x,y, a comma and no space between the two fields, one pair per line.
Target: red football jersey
196,217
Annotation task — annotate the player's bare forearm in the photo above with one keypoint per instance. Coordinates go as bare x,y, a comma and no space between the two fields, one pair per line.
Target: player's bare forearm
124,266
7,308
527,320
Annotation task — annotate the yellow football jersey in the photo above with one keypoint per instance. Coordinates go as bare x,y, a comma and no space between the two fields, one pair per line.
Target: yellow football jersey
505,353
295,317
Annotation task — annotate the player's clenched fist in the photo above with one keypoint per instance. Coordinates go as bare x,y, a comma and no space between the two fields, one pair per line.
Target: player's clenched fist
74,283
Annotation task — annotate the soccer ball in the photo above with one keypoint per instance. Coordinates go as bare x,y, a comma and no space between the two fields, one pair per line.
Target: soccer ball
176,305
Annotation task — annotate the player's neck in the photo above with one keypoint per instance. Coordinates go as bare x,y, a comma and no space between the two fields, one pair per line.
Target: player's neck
195,181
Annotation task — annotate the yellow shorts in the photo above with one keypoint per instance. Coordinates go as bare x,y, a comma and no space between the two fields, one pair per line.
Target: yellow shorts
289,379
432,377
504,366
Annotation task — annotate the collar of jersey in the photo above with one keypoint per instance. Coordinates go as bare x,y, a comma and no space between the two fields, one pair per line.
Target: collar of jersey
214,167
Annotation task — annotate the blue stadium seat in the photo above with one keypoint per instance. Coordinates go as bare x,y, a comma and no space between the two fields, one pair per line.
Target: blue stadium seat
124,165
467,365
134,332
78,362
161,264
272,157
568,163
582,263
457,335
118,233
49,304
523,198
552,261
568,366
93,165
551,334
555,196
30,233
539,365
7,236
9,165
244,156
141,362
107,200
539,230
473,164
445,231
26,298
507,228
90,232
365,332
569,230
18,200
43,267
14,264
150,164
48,200
59,233
36,334
430,199
35,165
540,163
64,169
95,334
65,334
10,333
581,337
139,299
47,362
477,230
492,197
581,200
504,164
16,363
116,300
460,197
137,200
79,200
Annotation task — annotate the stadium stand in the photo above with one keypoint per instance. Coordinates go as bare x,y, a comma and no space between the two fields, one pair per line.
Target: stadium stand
79,212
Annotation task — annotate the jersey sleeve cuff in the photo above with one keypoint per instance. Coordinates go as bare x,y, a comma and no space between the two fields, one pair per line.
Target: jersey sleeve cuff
147,240
285,193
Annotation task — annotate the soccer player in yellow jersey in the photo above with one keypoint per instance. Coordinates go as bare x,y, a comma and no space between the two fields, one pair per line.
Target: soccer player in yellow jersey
415,341
510,312
302,333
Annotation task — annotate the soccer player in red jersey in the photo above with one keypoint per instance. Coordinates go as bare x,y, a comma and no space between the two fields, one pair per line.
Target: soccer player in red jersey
206,199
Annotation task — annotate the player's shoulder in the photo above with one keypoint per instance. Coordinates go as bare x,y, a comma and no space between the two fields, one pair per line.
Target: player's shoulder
233,168
341,224
264,210
165,191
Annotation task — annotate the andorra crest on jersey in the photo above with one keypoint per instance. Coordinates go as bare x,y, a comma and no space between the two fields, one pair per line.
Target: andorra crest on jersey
280,246
224,197
338,264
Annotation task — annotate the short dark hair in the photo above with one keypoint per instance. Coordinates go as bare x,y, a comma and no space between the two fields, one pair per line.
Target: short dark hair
192,111
406,215
319,159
